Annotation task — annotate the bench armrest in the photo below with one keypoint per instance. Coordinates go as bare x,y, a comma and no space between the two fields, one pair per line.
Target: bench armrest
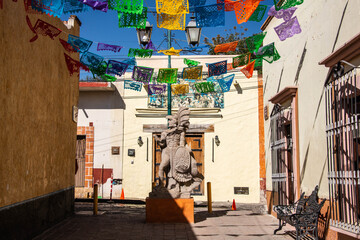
284,209
304,219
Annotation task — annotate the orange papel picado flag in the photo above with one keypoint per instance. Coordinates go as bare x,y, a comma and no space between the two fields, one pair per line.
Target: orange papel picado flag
226,47
248,69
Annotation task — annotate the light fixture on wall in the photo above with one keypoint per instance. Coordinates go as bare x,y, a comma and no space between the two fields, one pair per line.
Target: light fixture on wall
217,141
140,141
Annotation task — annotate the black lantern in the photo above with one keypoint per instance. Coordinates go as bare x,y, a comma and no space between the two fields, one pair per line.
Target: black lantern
192,32
144,35
217,140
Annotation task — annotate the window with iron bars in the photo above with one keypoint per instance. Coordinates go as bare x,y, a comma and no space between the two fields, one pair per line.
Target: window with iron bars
342,100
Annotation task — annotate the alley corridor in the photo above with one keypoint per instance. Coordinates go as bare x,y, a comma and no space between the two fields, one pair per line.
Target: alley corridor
118,221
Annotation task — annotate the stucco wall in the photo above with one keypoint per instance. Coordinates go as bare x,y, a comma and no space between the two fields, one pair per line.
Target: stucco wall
320,22
236,161
38,136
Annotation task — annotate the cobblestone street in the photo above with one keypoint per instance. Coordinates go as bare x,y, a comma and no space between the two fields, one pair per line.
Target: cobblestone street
118,221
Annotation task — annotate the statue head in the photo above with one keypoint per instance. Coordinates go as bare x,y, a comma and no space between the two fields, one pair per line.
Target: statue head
172,120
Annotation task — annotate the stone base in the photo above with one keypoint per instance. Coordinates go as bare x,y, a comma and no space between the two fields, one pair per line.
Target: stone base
178,210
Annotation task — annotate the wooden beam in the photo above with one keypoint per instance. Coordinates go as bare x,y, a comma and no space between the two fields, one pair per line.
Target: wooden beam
193,128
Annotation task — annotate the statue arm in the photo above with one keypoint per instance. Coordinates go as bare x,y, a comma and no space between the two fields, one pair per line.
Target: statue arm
182,139
162,140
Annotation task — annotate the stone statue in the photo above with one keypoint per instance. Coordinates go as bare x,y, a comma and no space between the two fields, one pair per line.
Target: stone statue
177,160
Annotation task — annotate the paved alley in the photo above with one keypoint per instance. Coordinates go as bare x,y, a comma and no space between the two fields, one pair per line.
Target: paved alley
118,221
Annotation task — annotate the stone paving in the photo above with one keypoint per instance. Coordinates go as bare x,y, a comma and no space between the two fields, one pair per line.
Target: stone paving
118,221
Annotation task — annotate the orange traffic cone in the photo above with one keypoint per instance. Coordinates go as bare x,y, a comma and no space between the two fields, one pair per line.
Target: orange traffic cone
233,207
122,194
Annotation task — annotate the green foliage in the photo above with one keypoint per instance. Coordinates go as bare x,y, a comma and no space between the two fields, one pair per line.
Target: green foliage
231,36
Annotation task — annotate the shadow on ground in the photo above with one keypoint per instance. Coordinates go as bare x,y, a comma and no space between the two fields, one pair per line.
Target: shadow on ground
203,215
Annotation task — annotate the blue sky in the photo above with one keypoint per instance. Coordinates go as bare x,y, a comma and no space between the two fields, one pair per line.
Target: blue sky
103,27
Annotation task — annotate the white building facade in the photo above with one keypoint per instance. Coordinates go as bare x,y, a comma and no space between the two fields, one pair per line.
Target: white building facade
232,167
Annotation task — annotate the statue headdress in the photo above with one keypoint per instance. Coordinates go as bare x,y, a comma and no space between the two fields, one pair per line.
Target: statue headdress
183,117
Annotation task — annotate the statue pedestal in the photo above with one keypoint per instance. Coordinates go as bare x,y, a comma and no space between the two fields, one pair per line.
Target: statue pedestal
160,210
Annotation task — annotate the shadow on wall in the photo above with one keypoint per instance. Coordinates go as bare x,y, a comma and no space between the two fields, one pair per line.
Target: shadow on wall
101,100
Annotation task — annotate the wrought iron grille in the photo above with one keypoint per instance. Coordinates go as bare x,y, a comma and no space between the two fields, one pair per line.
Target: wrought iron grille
342,100
281,156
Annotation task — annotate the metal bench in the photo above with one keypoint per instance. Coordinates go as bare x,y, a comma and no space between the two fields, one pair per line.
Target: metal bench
303,215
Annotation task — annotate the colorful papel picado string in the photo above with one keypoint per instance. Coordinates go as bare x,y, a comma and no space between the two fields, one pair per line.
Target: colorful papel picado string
179,89
150,45
225,82
99,70
78,43
67,46
108,47
129,84
210,15
156,89
116,68
142,74
286,4
171,22
248,69
108,78
204,87
254,42
226,47
133,20
167,75
74,6
241,60
171,51
96,5
91,60
215,69
195,3
258,14
285,14
288,29
51,7
172,7
143,53
268,53
131,62
191,63
193,73
244,9
127,6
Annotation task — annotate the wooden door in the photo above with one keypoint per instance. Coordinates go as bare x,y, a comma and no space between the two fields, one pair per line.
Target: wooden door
196,142
80,161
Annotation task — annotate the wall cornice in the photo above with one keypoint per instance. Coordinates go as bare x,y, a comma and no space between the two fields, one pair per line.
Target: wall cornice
284,95
346,52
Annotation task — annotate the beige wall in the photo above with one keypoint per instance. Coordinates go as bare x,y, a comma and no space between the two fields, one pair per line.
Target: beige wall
105,109
319,21
37,136
236,159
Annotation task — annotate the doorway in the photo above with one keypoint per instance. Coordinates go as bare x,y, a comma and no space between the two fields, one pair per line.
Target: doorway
80,161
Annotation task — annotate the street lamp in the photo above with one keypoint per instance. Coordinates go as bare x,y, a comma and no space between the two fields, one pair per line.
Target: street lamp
192,32
193,37
144,35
